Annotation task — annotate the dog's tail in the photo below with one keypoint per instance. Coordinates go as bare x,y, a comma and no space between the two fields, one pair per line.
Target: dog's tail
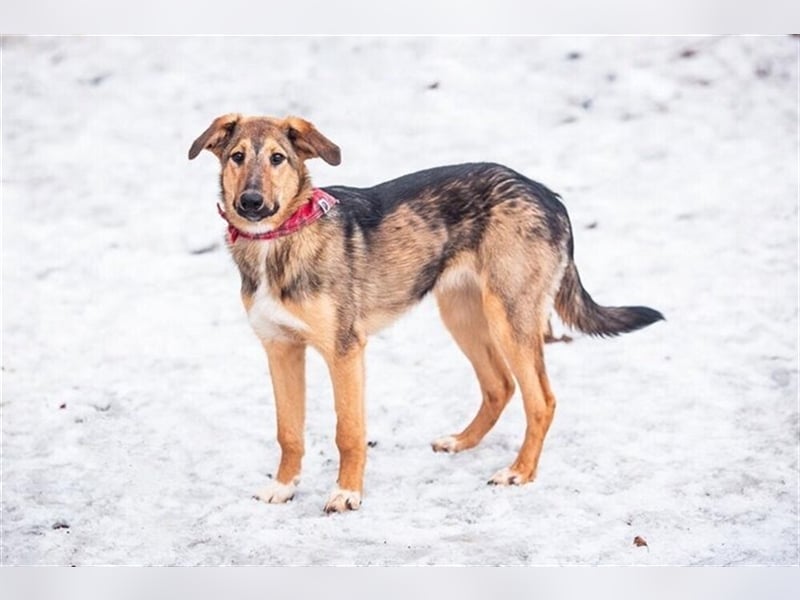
577,309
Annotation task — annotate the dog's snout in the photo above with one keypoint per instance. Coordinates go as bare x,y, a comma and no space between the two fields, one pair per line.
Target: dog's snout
251,201
252,207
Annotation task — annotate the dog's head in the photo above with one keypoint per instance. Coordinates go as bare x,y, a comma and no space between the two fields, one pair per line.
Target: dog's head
264,178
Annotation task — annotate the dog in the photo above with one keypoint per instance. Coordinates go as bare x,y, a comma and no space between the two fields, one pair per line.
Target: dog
328,267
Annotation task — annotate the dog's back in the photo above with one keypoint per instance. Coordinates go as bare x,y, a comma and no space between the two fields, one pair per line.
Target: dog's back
482,218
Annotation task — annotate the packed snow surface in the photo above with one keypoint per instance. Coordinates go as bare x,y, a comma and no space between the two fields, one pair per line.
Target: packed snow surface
137,411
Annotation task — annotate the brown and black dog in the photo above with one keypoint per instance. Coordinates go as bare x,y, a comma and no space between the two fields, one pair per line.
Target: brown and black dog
493,246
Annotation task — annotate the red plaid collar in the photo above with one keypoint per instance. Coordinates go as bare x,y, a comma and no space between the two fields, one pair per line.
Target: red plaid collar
317,206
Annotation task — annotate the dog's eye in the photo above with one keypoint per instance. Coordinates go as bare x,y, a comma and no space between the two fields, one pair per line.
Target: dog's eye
276,159
237,157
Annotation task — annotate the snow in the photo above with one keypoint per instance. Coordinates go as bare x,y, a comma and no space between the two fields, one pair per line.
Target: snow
137,411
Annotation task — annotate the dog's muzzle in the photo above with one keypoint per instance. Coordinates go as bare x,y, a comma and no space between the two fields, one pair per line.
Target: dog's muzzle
251,206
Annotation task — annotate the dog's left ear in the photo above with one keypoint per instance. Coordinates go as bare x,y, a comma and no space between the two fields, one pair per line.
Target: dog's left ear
310,143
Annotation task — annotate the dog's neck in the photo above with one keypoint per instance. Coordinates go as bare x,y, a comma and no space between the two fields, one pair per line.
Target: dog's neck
316,207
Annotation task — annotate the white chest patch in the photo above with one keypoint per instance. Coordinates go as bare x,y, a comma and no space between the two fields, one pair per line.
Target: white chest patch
269,318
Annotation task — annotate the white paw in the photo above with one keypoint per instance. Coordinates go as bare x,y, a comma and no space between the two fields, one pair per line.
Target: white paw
277,492
448,443
341,500
507,476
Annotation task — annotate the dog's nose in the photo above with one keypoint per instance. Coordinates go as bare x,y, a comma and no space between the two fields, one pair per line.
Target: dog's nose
251,201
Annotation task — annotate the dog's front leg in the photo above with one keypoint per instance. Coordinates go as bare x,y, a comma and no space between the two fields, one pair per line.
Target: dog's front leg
287,367
347,374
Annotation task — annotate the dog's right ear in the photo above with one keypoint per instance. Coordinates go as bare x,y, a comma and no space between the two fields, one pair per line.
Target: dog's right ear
216,136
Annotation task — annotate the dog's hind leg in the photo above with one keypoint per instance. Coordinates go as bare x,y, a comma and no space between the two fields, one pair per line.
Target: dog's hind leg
287,363
524,352
549,338
462,312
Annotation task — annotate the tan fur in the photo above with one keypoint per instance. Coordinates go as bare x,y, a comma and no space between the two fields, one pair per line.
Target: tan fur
495,273
287,362
462,311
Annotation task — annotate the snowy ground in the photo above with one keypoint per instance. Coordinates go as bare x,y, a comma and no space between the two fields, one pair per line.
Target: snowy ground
137,415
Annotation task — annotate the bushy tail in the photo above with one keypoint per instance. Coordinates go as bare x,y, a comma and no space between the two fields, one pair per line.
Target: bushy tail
577,309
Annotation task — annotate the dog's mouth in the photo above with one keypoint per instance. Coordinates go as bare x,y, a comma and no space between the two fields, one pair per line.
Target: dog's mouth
256,214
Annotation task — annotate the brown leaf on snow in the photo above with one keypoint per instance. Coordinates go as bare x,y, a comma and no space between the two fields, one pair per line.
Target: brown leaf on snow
639,541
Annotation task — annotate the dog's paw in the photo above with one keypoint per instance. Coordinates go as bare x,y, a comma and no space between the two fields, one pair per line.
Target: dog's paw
508,476
341,500
277,492
448,443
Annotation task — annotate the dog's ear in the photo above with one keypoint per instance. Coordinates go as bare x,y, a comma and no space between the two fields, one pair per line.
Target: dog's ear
216,136
310,143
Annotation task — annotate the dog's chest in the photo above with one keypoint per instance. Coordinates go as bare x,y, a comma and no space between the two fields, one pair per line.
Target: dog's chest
268,317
